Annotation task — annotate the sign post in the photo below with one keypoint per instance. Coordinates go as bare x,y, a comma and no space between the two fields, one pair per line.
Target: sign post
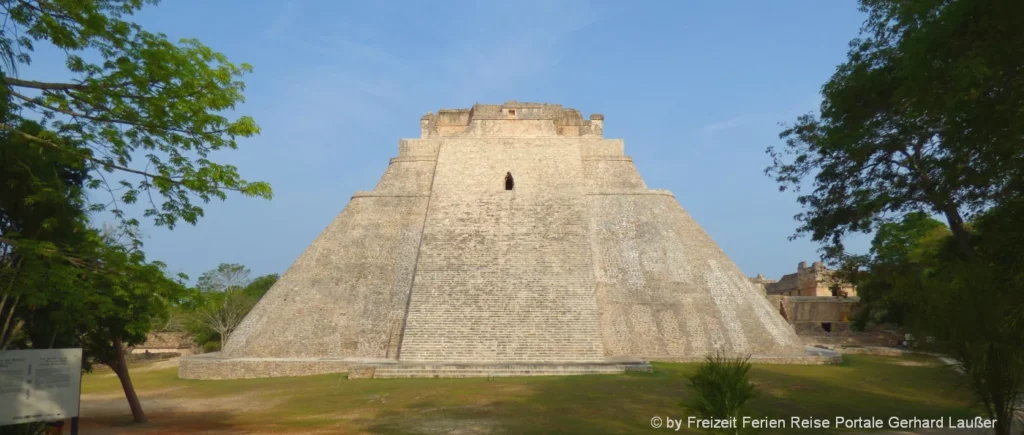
40,385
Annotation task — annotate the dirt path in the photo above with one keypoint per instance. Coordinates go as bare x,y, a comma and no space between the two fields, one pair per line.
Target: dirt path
168,413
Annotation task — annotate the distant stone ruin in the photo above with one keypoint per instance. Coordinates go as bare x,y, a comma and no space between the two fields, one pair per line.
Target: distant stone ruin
509,239
816,280
180,343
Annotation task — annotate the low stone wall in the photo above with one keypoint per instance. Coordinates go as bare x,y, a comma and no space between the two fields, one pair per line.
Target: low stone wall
213,366
882,338
483,370
826,320
152,356
814,356
822,309
870,350
177,351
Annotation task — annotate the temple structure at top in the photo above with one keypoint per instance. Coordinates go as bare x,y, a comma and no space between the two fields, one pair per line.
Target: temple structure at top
511,119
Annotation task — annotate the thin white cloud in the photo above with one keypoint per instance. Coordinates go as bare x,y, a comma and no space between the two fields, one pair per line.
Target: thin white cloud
760,119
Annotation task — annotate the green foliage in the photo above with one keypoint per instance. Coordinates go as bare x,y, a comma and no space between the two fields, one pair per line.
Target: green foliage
211,346
226,277
65,283
222,298
42,189
259,286
147,109
138,117
926,114
115,294
902,241
926,117
972,306
900,253
721,389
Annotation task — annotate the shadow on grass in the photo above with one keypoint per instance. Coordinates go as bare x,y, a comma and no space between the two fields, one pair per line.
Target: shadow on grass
159,423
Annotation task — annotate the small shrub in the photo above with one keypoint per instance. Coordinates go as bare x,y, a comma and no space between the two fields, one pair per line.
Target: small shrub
211,346
721,390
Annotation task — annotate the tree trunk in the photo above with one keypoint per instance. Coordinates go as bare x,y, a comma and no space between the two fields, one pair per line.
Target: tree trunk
121,369
963,237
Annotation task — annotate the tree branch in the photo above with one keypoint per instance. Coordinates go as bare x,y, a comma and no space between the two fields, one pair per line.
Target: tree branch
11,81
111,120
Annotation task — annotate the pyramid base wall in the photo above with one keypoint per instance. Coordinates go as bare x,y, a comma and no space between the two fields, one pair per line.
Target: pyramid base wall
408,370
215,366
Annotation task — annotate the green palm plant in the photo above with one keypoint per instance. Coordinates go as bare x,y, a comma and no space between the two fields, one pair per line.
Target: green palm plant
721,388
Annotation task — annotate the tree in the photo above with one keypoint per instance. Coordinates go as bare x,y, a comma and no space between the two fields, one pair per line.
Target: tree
926,117
104,302
227,295
973,308
128,294
224,278
223,312
259,286
148,110
900,252
138,116
40,208
914,276
927,114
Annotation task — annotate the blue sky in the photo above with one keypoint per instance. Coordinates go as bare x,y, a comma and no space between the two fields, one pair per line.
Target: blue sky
696,89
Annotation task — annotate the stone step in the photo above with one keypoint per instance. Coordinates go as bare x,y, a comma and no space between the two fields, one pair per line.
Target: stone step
393,371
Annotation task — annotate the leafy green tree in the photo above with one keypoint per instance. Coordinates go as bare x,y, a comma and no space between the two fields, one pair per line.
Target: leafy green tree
66,284
927,114
146,111
973,308
138,117
104,302
41,228
915,276
900,253
128,293
259,286
226,297
926,117
222,313
226,277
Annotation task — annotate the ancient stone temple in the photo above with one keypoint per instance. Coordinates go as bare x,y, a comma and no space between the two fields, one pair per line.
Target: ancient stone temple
506,240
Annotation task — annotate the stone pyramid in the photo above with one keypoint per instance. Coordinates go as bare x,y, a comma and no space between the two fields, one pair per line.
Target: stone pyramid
579,264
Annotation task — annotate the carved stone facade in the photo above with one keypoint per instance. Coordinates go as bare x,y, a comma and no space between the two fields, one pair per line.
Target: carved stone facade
579,265
816,280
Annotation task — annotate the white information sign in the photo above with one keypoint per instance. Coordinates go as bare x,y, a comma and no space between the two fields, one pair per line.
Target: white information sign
39,385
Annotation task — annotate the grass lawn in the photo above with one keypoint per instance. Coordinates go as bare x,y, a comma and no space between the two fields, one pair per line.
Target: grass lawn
909,386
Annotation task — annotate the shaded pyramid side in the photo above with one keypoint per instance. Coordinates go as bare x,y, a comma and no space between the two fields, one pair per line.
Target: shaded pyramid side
346,294
665,289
